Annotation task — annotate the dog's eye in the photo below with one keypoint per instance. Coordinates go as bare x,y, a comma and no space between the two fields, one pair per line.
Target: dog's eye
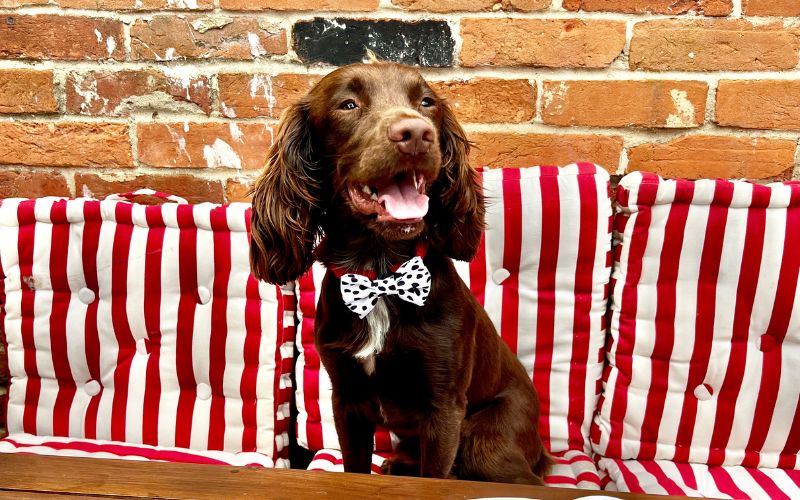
348,105
427,102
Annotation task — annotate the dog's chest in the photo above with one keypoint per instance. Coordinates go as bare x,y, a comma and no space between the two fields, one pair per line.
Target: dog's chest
377,326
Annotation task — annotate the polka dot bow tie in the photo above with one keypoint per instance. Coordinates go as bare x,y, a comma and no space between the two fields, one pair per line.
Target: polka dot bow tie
411,282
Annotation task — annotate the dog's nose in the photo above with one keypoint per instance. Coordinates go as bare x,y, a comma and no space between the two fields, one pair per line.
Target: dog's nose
412,136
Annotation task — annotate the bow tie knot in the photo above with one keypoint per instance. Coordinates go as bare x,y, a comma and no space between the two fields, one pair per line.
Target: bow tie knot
411,283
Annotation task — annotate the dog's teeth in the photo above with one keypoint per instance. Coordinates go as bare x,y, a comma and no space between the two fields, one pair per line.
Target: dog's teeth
374,196
366,189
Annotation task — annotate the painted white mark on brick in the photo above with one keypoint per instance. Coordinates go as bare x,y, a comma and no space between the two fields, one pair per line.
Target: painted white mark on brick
89,94
691,55
263,83
169,54
99,36
236,133
111,45
138,4
228,112
183,4
684,110
180,140
186,127
555,97
221,155
182,76
87,193
256,49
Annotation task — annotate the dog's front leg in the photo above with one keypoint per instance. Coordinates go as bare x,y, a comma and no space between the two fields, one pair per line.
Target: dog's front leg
355,409
439,438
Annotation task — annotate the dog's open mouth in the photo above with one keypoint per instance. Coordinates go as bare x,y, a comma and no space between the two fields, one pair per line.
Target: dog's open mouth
399,199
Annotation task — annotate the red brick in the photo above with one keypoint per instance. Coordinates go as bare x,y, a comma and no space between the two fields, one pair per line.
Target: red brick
238,190
26,91
245,96
65,144
301,5
609,103
472,5
523,150
789,8
670,7
60,37
713,45
490,100
117,93
31,184
204,145
165,38
701,156
10,4
559,43
767,104
195,189
194,5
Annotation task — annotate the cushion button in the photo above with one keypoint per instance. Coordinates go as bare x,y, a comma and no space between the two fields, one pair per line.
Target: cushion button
92,388
500,275
767,343
703,392
86,295
203,391
204,294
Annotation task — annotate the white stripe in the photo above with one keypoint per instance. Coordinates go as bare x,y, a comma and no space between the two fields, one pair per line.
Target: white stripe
265,412
105,328
9,237
528,276
783,482
494,236
201,336
236,336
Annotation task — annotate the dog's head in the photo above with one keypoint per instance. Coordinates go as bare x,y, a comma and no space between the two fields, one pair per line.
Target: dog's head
371,146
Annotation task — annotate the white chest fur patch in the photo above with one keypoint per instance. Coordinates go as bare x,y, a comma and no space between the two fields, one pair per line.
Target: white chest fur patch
377,327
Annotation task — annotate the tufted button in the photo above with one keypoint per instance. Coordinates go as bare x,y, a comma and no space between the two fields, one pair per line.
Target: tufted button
766,343
143,347
500,275
92,388
203,391
703,392
86,295
204,294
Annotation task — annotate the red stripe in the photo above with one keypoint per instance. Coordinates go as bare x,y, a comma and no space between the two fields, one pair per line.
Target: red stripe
772,490
627,322
62,294
25,248
307,304
91,241
629,478
119,318
276,387
252,348
152,321
219,327
745,297
706,313
724,482
512,249
663,480
187,265
477,267
581,323
687,474
778,328
666,290
545,295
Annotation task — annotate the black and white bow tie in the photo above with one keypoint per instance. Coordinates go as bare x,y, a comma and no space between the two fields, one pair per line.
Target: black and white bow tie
411,282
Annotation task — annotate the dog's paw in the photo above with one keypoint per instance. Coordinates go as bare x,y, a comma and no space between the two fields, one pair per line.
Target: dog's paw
394,467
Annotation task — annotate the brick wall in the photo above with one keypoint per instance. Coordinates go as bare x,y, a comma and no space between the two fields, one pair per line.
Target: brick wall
98,96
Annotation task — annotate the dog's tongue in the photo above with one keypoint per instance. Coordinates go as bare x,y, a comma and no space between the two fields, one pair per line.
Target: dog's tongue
402,199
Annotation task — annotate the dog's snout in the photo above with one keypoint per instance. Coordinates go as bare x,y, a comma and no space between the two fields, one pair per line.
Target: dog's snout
412,136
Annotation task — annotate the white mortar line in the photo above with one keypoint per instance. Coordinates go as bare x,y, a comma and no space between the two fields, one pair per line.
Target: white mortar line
796,172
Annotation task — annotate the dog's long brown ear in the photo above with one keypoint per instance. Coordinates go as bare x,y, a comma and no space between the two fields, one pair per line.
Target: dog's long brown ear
286,203
456,196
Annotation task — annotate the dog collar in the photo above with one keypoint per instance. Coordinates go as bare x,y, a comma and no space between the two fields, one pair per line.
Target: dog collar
420,251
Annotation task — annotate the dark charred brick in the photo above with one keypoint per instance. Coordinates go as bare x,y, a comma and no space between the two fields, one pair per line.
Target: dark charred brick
344,41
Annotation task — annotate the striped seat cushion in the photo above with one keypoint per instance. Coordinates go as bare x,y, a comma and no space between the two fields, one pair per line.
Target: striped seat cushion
142,324
571,469
92,448
705,325
542,274
697,480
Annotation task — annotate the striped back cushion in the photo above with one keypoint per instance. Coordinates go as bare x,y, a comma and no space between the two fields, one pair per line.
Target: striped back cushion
705,324
142,324
542,274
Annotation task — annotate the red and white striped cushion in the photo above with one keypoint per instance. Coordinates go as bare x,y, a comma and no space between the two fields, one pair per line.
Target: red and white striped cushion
571,469
92,448
542,274
142,324
697,480
705,324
